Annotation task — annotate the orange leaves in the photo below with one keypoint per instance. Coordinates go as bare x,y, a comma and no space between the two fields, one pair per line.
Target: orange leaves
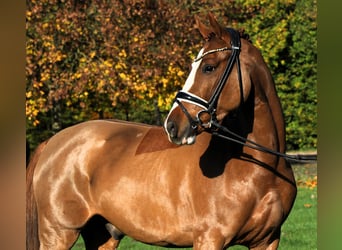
120,49
310,182
307,205
129,54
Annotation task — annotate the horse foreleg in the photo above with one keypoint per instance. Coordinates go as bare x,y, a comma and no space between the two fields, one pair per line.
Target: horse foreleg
271,244
52,237
114,241
209,240
111,244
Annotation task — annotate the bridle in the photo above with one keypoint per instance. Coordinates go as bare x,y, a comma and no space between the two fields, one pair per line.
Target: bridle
208,108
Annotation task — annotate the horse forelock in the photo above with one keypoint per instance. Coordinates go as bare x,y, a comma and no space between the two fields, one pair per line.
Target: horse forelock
210,36
210,46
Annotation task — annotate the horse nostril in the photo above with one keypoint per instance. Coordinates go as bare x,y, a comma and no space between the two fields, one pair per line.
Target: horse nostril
172,129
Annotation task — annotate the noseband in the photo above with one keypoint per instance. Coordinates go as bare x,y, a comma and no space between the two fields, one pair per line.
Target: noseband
209,107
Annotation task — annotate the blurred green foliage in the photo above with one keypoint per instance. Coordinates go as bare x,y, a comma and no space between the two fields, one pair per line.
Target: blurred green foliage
125,59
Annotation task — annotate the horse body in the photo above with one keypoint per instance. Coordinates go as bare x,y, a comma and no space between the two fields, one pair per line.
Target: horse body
210,194
188,191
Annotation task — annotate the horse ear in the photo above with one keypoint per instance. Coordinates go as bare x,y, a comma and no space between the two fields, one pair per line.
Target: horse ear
203,29
215,25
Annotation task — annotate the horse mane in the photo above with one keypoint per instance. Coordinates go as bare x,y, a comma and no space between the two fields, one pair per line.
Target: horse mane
244,35
241,31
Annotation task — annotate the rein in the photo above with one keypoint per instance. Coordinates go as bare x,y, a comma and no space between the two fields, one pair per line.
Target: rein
251,144
209,107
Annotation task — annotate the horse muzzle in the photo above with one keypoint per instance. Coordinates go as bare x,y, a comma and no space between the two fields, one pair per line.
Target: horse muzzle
180,135
181,130
181,125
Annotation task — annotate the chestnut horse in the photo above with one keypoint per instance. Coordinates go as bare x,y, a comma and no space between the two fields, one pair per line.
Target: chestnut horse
104,179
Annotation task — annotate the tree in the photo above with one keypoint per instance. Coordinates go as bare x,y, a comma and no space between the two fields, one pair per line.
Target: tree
126,59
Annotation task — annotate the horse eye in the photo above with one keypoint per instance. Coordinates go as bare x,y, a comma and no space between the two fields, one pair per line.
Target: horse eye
208,68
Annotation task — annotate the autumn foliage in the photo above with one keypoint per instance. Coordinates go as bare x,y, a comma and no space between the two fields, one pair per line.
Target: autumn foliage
125,59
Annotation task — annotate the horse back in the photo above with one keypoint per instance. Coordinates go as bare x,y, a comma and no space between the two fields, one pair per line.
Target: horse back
93,152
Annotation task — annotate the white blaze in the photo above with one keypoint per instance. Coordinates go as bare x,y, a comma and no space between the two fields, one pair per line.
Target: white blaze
191,78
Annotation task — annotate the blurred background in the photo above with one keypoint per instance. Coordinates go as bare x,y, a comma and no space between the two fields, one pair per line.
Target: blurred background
126,59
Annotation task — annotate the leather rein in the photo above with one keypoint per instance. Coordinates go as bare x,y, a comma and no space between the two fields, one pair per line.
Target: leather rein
209,107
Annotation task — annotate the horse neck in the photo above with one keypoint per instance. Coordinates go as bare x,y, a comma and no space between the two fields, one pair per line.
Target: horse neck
267,102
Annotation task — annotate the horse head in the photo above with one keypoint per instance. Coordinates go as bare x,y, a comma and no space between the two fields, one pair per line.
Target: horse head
218,84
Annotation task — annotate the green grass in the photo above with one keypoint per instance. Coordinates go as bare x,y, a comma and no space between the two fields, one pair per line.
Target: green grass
298,232
300,229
